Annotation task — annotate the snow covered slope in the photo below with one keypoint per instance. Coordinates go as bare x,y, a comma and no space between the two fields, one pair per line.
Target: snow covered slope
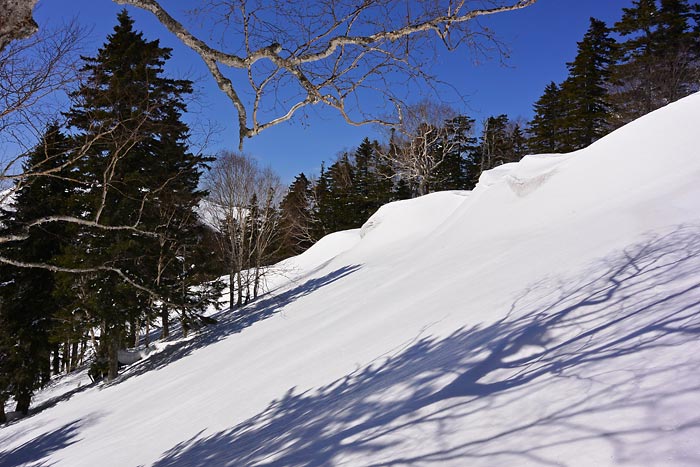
550,317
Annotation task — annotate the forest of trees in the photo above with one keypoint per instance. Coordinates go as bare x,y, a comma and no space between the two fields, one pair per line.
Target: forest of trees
157,232
649,58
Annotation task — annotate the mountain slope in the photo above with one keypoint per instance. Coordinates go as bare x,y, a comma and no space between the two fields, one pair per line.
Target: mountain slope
549,317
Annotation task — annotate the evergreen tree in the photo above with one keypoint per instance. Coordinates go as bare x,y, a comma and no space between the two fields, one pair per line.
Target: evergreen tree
496,147
297,218
363,182
371,181
27,303
660,59
546,128
588,114
137,173
518,143
323,207
459,161
402,190
337,205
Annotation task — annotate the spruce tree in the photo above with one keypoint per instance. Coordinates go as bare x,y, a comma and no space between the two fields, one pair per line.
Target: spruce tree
495,144
588,116
546,128
660,58
337,205
323,207
363,181
297,218
458,163
27,302
137,173
371,181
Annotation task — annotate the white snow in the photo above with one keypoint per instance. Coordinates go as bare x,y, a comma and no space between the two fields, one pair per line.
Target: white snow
551,317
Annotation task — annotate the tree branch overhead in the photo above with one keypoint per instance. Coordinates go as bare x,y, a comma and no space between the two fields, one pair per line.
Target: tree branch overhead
326,52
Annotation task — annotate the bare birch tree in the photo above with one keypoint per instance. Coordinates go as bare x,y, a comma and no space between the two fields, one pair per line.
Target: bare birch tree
420,142
242,206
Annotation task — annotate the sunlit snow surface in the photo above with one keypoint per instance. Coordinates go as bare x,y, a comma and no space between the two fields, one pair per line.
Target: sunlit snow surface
550,317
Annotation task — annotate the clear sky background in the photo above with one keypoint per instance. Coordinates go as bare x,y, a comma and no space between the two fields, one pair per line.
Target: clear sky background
541,39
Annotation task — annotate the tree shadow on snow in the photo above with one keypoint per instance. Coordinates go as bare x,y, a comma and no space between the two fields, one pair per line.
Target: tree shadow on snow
34,451
232,323
564,335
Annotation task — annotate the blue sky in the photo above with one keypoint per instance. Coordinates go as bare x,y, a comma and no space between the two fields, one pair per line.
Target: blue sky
541,39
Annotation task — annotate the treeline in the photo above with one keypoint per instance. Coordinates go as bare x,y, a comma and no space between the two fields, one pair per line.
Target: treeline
436,157
649,58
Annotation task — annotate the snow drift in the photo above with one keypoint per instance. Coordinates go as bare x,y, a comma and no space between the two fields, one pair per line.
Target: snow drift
549,317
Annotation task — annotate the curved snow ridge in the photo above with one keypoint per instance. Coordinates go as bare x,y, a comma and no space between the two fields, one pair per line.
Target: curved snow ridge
411,217
525,176
322,251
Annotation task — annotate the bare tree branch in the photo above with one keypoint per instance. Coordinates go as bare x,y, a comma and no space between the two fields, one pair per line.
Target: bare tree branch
332,50
419,143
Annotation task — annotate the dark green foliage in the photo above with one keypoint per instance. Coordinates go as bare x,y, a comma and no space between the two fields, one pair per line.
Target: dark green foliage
297,219
585,91
577,113
371,181
138,173
459,162
547,126
403,190
501,142
27,303
660,58
339,209
610,84
351,190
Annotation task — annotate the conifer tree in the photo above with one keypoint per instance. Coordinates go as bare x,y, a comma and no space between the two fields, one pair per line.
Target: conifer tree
27,302
459,161
495,144
586,88
297,218
371,181
337,206
546,128
660,58
139,173
323,208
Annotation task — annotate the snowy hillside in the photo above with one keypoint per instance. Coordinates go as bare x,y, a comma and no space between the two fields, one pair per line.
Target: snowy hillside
551,317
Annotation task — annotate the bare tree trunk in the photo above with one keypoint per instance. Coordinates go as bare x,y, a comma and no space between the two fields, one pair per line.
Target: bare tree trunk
83,349
231,289
113,341
74,356
256,285
423,187
239,284
56,361
3,417
137,327
16,21
184,325
65,364
164,317
93,338
24,399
